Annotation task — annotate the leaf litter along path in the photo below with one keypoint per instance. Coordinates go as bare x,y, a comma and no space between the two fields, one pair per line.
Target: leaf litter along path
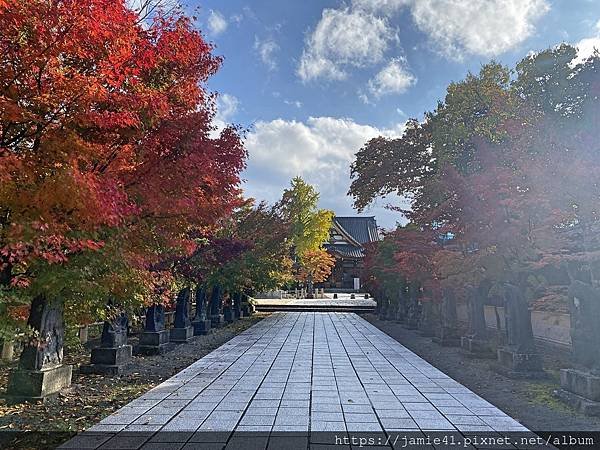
296,376
92,397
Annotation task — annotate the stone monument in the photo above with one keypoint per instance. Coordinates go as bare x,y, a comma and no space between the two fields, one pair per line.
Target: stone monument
580,387
228,315
413,309
475,343
182,330
519,358
383,303
447,333
237,305
113,353
216,318
200,323
41,372
401,307
154,339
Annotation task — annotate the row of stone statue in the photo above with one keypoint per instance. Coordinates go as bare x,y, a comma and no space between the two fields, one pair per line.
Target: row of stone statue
41,371
516,353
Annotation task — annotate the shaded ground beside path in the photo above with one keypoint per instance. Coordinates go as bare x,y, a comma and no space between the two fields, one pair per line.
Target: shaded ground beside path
529,401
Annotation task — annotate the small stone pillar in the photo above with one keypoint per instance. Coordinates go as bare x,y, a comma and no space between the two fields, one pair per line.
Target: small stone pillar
182,330
200,323
154,339
475,343
581,387
447,334
113,353
237,305
8,350
518,359
83,333
216,318
41,372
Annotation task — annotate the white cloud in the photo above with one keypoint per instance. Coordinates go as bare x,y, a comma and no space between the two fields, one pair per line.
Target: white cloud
587,47
344,38
216,23
266,50
296,103
394,78
382,6
320,150
482,27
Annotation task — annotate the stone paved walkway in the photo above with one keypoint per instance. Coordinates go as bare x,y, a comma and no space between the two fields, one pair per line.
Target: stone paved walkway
292,376
344,302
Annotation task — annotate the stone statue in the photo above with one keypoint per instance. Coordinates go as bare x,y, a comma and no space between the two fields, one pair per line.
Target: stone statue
476,312
518,320
47,319
155,318
237,305
182,314
584,306
215,301
114,332
200,304
448,309
41,372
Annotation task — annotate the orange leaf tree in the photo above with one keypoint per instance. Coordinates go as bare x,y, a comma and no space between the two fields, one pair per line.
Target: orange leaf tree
108,154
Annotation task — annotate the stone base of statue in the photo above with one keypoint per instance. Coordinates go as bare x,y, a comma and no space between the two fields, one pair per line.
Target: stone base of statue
181,335
201,327
447,338
476,348
581,390
228,315
37,385
578,403
108,361
217,321
515,364
154,343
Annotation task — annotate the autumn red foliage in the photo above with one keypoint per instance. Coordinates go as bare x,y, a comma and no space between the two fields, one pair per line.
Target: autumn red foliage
107,137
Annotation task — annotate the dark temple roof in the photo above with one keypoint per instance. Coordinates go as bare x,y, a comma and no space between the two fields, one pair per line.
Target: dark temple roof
362,229
358,231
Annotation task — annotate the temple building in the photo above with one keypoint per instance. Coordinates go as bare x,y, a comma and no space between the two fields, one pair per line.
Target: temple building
347,241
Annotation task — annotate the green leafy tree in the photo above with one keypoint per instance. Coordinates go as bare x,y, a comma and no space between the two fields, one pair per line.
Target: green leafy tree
310,227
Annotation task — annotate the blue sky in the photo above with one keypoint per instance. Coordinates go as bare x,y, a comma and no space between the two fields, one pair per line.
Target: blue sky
314,80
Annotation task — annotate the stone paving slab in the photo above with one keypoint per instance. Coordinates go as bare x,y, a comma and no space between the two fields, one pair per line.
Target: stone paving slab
311,376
